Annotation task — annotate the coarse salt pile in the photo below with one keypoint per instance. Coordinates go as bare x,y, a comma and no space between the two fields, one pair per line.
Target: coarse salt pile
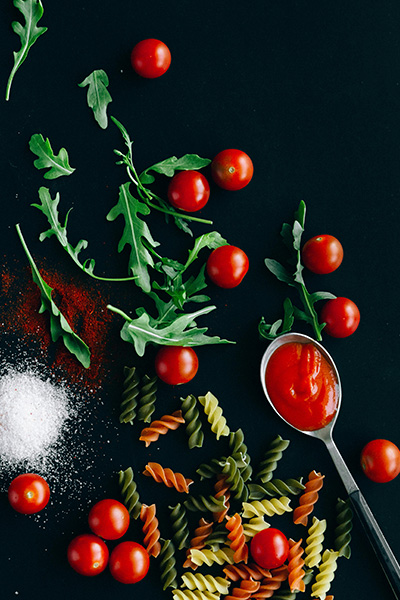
33,413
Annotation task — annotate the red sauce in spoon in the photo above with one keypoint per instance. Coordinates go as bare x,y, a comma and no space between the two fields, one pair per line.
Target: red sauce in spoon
302,385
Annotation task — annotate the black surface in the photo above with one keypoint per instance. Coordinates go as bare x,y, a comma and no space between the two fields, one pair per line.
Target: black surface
310,90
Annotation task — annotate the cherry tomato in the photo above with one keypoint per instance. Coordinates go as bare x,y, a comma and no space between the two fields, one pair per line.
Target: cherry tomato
380,460
232,169
28,493
129,562
269,548
227,265
109,519
322,254
87,554
176,364
341,316
189,191
150,58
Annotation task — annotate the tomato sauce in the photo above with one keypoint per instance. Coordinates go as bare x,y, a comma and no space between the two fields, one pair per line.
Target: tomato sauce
302,385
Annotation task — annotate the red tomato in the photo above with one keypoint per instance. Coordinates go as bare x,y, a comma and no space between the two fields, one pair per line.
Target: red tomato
129,562
322,254
189,191
227,265
269,548
87,554
109,519
341,316
176,364
380,460
150,58
232,169
28,493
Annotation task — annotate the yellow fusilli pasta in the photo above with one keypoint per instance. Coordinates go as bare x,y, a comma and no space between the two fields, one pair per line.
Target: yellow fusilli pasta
203,583
314,541
193,595
325,576
274,506
253,526
209,557
214,415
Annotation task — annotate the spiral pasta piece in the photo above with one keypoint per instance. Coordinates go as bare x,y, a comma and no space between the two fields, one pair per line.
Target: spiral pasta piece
295,566
274,506
244,591
237,540
325,576
198,540
209,470
308,498
147,398
271,459
205,583
250,571
161,427
222,489
269,585
168,477
129,492
180,526
129,395
235,480
253,526
275,487
210,557
239,453
214,415
193,595
169,573
344,525
191,415
218,537
314,541
205,504
150,529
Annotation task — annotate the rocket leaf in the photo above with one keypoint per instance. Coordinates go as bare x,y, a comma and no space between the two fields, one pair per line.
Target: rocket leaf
98,96
28,34
59,326
170,165
135,232
181,332
58,165
49,208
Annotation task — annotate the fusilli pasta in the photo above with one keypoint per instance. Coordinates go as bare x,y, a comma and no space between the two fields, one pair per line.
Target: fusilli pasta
180,526
150,529
168,477
168,565
325,576
237,540
274,506
314,541
295,566
129,492
308,498
161,427
191,415
344,525
129,395
147,398
204,583
214,415
209,557
271,458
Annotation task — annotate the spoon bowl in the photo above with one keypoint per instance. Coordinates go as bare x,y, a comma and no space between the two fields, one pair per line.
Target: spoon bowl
381,547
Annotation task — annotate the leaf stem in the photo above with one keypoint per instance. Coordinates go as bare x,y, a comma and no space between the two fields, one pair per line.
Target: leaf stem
304,295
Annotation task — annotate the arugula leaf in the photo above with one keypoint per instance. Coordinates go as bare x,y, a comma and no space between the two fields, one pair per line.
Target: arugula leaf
28,34
135,232
181,332
98,96
59,326
49,208
292,235
57,164
169,166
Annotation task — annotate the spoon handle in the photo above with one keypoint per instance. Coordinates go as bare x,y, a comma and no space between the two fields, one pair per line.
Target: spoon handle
378,541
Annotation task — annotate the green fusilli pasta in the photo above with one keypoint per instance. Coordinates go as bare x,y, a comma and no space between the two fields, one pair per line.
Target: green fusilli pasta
191,415
205,503
207,471
235,479
129,395
147,398
275,487
218,537
214,415
344,525
271,458
313,548
129,492
239,452
180,526
169,573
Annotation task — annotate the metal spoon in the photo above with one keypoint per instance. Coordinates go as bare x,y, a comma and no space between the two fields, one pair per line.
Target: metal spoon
381,547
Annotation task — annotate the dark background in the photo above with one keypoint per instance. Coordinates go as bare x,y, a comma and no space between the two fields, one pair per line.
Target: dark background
310,90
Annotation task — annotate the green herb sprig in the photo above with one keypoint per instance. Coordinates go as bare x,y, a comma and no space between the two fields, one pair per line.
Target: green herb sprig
58,164
291,235
28,34
98,97
59,326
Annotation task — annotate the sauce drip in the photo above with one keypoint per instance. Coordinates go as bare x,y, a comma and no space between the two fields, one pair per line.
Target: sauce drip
302,385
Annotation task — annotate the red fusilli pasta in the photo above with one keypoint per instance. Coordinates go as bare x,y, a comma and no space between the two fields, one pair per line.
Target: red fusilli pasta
308,498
